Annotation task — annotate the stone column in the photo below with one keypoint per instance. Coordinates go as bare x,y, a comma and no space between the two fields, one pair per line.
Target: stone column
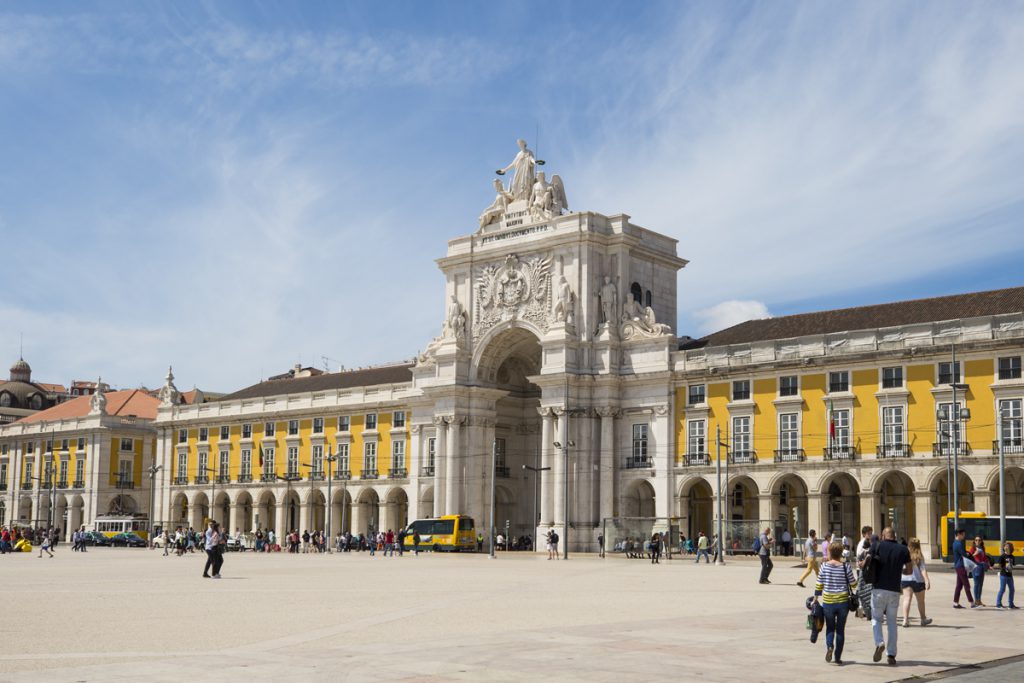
232,520
414,456
453,475
558,473
765,509
281,523
869,510
663,461
607,463
546,438
816,516
924,521
440,464
984,501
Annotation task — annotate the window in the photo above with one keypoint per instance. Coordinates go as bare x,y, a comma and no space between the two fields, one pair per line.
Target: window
892,378
3,476
124,474
398,455
203,470
225,433
343,457
841,426
246,431
499,453
204,433
3,449
431,452
80,472
948,427
738,493
269,429
318,460
1010,423
637,292
695,394
948,374
81,443
789,386
318,425
245,465
293,462
64,444
639,444
789,433
127,445
28,472
695,437
63,477
371,421
369,458
647,298
49,446
838,381
398,419
1009,368
344,423
741,434
29,446
741,390
269,466
293,427
182,436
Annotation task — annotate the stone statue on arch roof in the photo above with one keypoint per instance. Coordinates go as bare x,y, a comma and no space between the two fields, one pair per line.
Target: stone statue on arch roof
524,165
547,200
496,210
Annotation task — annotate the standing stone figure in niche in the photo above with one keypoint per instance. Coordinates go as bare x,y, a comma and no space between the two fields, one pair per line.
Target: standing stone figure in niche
608,303
496,210
564,308
524,165
455,323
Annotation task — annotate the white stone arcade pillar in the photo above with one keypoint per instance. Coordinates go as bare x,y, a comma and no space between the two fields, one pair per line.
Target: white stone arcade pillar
453,474
440,464
546,439
558,473
925,520
815,517
281,523
607,464
869,510
415,460
664,495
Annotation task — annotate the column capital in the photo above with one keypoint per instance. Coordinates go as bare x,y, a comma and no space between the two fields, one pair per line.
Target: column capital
544,411
558,410
607,411
660,409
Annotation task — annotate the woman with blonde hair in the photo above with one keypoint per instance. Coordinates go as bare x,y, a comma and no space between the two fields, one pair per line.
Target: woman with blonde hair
836,583
915,583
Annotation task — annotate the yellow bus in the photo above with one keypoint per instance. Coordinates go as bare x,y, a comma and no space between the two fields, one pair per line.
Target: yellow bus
448,532
111,525
979,524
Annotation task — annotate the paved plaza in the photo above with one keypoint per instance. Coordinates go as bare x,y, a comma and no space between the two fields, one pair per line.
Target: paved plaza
119,614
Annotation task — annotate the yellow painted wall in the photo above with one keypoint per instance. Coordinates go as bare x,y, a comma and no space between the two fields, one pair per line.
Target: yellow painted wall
866,419
814,419
981,427
919,381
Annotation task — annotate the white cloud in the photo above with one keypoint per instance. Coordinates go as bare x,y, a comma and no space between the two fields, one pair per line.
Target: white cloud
729,313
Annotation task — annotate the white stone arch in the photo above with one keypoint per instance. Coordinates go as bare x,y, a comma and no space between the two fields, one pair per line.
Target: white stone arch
638,498
426,502
520,338
938,474
687,483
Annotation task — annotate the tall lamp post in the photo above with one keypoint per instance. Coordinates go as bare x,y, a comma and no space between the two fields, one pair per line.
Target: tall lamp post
494,473
330,502
1004,415
288,494
153,469
565,446
213,489
720,560
537,471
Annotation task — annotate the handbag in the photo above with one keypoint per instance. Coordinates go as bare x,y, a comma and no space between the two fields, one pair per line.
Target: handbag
970,565
853,600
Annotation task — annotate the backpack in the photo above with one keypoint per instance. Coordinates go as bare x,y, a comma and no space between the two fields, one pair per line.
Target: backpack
554,537
756,547
869,572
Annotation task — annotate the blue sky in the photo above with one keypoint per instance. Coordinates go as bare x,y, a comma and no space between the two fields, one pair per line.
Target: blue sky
236,187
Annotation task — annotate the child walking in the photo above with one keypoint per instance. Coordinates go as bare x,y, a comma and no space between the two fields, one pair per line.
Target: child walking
1006,565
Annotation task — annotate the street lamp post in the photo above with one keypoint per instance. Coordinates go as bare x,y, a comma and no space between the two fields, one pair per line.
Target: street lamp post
494,472
330,502
564,446
153,469
537,471
288,493
1003,415
720,559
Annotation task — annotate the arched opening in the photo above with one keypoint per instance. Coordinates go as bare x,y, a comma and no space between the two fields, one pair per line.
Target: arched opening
842,506
942,500
222,511
200,511
367,513
505,513
61,515
426,506
122,504
25,510
317,512
742,500
1014,492
638,499
789,502
292,505
896,504
244,511
700,511
341,512
396,510
266,511
179,511
76,513
637,292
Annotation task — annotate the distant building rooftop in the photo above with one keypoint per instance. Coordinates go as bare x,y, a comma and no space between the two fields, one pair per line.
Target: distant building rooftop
397,373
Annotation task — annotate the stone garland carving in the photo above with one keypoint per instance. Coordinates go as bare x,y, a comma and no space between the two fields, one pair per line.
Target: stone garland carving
640,323
515,289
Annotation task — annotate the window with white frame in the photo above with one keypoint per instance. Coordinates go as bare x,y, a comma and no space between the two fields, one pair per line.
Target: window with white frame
318,425
64,444
371,421
639,444
269,464
369,458
245,464
202,474
741,434
431,452
696,443
3,476
28,471
81,443
318,460
499,453
343,457
49,446
1010,423
269,429
789,433
293,462
204,433
741,390
63,477
79,472
893,426
29,447
127,445
124,473
1009,367
225,432
841,428
838,381
398,419
344,423
695,394
247,431
948,427
224,469
182,436
789,386
892,378
948,374
293,427
182,471
397,455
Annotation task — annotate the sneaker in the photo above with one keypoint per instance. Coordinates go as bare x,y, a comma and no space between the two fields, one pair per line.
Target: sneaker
975,605
801,584
878,653
216,576
828,655
999,607
1014,607
957,605
891,661
206,576
906,624
925,622
838,662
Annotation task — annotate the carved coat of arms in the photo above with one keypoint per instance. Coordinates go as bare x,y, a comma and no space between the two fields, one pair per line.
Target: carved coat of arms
514,289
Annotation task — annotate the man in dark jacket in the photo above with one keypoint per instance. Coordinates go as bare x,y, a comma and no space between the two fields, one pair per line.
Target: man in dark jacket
891,560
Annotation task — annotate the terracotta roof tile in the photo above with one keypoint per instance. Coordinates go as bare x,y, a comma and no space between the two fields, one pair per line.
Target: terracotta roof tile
937,309
122,403
388,374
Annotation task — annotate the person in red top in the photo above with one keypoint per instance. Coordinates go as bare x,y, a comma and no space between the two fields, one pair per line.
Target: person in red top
389,543
982,563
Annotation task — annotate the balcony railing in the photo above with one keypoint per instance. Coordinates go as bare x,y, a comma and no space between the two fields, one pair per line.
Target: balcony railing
426,471
893,450
790,455
317,476
202,479
180,480
398,473
696,459
369,475
634,462
293,475
268,476
26,486
839,452
1008,447
942,450
223,478
244,478
343,475
78,484
62,483
125,484
502,471
743,457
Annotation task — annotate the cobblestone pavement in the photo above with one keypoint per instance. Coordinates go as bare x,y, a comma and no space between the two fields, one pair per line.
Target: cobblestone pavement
120,614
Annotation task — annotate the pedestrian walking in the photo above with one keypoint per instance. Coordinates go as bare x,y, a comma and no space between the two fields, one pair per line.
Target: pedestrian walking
811,555
46,545
702,548
764,543
600,545
210,543
1006,565
981,566
716,549
960,560
889,560
787,543
915,584
416,543
552,544
655,548
834,587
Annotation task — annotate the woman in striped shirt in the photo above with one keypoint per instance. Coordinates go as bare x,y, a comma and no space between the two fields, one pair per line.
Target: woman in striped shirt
835,584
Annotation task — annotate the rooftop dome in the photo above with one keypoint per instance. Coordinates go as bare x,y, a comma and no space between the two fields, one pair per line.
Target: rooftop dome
21,371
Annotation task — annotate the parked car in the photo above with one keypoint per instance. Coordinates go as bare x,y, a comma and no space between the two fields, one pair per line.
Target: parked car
96,538
128,539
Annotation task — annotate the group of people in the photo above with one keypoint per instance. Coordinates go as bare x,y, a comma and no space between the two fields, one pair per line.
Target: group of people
976,563
14,538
